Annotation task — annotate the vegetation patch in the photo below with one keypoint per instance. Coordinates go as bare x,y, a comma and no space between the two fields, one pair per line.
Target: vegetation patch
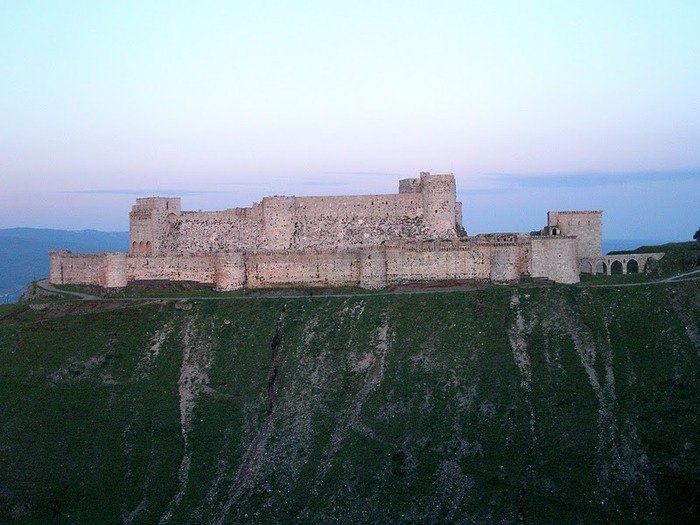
503,404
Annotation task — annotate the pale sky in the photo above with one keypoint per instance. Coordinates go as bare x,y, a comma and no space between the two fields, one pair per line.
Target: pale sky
534,106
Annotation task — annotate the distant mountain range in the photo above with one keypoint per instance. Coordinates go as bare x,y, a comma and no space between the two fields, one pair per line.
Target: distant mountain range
24,253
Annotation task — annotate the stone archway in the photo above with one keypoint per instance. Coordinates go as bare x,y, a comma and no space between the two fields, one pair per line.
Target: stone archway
632,266
616,268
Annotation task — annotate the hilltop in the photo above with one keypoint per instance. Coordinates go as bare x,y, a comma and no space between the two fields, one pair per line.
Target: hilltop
540,404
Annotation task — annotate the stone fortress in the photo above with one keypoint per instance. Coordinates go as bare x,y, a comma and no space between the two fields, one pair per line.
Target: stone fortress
370,241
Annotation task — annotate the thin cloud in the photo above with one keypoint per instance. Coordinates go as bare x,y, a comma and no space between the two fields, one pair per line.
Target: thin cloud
165,193
588,180
363,174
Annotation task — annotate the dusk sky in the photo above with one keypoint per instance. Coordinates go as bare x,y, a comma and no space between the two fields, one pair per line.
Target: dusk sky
533,106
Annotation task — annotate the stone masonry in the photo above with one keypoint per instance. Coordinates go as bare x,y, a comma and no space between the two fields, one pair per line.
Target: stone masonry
371,241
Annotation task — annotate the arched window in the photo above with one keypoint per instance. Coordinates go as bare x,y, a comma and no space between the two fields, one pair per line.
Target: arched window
148,247
141,247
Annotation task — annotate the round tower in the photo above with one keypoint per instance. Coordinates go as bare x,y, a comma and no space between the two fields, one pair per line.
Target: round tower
439,204
229,271
373,268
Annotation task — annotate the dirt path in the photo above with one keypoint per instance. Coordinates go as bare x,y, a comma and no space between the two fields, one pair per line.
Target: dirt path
44,284
678,278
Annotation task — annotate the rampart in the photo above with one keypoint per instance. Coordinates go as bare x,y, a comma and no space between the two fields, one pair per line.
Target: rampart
372,241
424,208
106,269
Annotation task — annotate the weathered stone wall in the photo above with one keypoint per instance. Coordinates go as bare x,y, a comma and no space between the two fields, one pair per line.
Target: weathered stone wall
586,226
409,186
279,221
235,229
305,267
554,257
373,268
437,260
424,208
505,263
365,240
148,222
498,257
106,269
197,268
355,221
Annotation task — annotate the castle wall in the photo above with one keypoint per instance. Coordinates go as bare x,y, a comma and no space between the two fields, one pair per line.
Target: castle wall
499,258
235,229
199,269
373,267
554,257
159,227
505,263
106,269
279,220
437,260
365,240
409,186
355,221
586,226
305,267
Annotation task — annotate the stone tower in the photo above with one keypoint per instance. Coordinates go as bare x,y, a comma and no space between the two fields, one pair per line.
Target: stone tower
148,221
586,226
439,204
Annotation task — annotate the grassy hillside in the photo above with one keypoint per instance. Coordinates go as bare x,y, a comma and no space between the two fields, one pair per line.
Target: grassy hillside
551,405
24,253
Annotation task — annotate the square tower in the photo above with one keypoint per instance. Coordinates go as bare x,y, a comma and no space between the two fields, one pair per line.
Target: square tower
148,221
586,226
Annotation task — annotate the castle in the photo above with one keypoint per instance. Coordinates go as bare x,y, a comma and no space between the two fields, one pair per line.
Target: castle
371,241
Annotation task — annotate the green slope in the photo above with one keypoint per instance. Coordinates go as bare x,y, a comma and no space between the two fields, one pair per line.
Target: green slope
554,405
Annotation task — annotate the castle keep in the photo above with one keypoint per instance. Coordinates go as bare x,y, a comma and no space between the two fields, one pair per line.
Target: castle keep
369,241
